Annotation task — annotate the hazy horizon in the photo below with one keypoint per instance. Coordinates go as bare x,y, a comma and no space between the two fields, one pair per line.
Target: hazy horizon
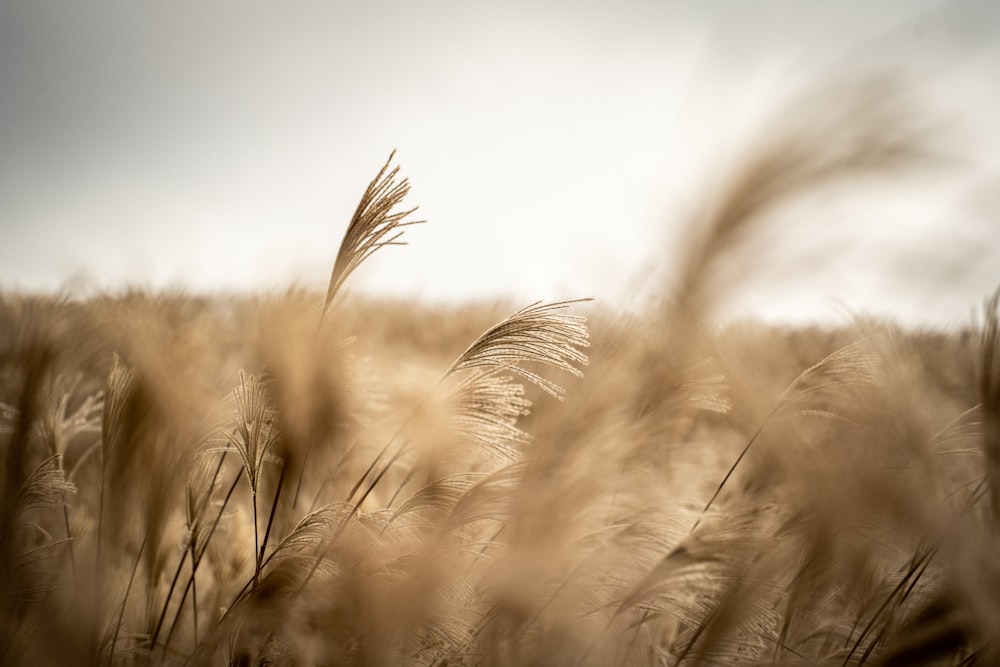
554,153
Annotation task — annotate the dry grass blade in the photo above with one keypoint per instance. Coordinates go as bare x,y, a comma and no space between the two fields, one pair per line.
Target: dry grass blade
487,407
486,413
848,132
681,558
375,224
491,498
849,365
315,533
968,425
441,496
36,555
255,428
61,426
29,576
44,488
203,484
702,392
539,333
253,434
117,398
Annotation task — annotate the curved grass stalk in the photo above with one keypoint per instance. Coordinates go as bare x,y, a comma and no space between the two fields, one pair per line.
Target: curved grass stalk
849,365
375,224
489,406
254,433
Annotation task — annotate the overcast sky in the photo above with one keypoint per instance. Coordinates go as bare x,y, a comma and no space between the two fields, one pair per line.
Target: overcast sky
556,150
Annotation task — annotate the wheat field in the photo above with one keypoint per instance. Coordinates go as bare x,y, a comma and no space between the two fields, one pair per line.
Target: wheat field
309,479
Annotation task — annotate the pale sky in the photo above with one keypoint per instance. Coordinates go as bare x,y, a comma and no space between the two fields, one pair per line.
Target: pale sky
556,150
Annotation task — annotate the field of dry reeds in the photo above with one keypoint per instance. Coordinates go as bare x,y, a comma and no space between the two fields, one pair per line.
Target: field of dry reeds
334,480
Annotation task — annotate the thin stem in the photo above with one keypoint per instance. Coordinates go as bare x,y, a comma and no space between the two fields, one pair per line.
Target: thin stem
729,474
402,485
256,548
166,602
302,473
180,565
194,605
270,519
128,589
343,524
195,562
914,567
97,609
69,536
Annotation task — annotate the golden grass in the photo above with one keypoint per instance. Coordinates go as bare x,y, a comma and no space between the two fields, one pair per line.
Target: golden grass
335,481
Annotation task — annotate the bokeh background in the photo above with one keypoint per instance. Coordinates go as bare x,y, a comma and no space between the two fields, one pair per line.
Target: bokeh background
557,149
